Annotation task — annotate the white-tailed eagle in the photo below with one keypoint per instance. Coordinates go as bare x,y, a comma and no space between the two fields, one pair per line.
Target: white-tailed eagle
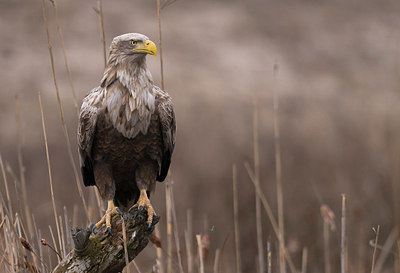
126,131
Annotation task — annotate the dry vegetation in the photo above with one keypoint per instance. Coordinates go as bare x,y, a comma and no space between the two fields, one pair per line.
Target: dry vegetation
288,132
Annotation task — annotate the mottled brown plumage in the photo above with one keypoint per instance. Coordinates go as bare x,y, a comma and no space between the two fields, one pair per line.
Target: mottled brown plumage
126,130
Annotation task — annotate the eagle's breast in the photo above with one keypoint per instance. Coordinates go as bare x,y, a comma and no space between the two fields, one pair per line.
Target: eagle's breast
130,102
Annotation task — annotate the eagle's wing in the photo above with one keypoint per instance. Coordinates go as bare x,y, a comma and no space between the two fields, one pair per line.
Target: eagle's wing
86,130
166,114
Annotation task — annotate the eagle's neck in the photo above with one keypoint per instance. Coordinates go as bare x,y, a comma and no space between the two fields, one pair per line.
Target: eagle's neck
130,96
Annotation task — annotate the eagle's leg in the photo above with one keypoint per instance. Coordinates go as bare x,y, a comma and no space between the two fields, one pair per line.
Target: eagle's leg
145,176
106,185
144,202
111,210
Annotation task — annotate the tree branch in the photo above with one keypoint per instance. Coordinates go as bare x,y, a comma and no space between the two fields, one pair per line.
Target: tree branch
100,252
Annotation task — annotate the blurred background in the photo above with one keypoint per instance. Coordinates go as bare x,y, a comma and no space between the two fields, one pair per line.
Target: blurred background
338,82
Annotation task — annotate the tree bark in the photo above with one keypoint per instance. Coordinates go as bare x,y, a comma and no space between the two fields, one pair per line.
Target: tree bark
101,252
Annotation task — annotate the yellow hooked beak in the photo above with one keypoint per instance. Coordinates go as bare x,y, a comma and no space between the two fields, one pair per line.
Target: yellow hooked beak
147,47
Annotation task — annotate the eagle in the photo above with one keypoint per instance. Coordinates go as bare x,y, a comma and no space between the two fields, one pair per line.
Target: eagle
126,131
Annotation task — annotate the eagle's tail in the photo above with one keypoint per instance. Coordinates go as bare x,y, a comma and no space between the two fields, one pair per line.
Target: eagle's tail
87,173
125,199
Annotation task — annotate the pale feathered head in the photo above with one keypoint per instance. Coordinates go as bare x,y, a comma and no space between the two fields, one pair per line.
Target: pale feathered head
130,47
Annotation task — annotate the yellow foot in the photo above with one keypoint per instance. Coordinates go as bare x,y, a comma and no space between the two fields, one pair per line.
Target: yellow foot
111,210
144,202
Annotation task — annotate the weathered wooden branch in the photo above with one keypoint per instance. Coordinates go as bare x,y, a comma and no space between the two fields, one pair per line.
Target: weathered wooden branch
101,252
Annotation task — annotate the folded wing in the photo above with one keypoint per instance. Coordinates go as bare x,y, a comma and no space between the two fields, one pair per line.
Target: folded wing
86,131
168,129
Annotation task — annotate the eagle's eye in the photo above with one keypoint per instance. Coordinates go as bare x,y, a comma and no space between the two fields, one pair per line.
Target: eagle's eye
133,42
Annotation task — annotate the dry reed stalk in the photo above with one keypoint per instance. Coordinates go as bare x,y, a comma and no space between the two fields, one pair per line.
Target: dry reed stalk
260,247
125,245
136,267
17,224
328,218
38,236
220,264
21,226
236,219
189,223
271,217
6,186
189,241
216,261
61,37
304,259
22,171
278,170
375,245
67,230
169,228
188,252
269,258
2,214
44,242
103,36
49,257
49,168
41,251
343,241
62,235
327,254
200,253
60,109
8,244
387,246
160,262
27,246
160,44
54,249
175,225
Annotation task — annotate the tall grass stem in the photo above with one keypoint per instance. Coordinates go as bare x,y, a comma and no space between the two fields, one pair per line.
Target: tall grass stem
102,33
256,154
160,44
236,219
343,238
49,172
375,246
278,170
200,253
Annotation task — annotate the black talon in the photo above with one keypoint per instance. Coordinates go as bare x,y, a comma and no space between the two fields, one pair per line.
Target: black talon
92,228
149,226
119,211
108,230
140,209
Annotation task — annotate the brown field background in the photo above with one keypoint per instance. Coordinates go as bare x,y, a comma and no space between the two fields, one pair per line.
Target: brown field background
339,94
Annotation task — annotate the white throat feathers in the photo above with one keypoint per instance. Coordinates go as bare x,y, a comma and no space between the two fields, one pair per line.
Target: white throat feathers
130,97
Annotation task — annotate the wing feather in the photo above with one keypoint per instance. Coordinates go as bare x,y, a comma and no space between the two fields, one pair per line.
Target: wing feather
86,133
166,114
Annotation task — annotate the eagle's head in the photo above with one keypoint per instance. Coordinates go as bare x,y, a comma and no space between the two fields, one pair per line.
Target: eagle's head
130,48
